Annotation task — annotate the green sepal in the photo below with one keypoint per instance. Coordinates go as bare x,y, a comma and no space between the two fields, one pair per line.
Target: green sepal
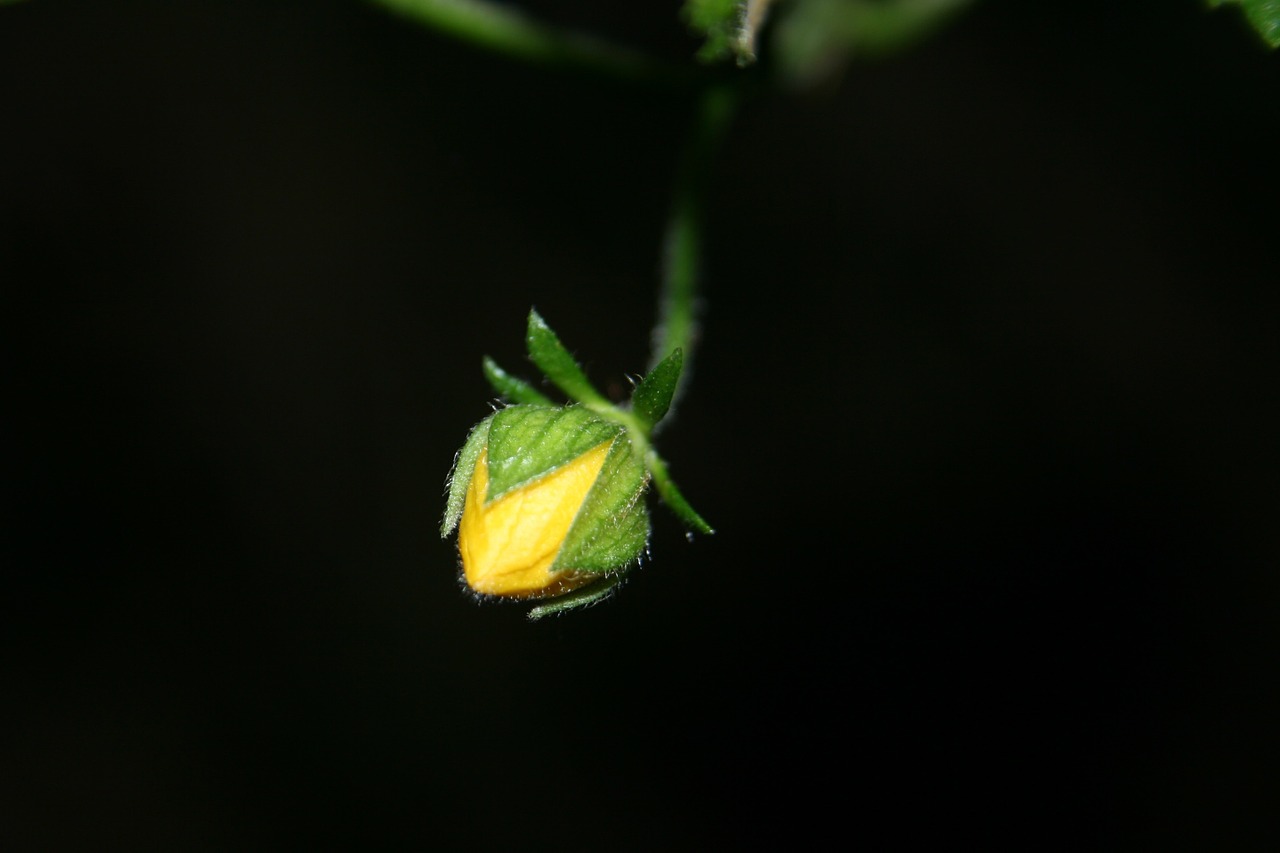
551,357
612,526
652,397
671,495
526,442
464,465
581,597
512,388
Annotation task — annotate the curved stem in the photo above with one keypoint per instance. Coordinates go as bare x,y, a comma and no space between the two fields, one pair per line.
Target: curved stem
678,303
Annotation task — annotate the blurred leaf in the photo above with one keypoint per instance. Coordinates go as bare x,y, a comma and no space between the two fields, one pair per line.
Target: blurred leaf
814,39
1263,14
652,397
717,22
729,27
503,28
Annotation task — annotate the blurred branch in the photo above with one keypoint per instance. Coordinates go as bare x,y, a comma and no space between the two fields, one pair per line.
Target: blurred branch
814,39
505,30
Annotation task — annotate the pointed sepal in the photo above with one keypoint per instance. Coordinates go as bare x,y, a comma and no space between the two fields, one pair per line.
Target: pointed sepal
652,397
551,357
671,495
612,527
464,465
583,597
512,388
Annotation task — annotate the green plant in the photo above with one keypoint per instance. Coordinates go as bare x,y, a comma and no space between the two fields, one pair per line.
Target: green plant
747,45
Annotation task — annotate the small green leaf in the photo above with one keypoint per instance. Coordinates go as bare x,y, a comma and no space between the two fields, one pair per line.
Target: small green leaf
652,397
671,495
463,467
526,442
581,597
554,360
1264,15
512,388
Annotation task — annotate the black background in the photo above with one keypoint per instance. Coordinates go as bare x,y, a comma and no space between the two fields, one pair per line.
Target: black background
984,413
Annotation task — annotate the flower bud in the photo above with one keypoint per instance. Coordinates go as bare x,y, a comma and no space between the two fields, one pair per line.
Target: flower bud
546,499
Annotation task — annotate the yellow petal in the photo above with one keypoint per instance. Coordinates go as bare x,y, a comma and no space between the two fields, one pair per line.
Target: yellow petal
509,545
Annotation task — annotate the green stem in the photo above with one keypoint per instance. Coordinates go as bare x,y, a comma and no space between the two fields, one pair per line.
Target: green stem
678,303
505,30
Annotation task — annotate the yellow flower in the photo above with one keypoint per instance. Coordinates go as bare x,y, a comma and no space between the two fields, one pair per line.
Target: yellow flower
509,546
546,499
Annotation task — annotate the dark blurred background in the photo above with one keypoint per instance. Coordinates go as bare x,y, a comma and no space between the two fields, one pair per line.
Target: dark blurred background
984,413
